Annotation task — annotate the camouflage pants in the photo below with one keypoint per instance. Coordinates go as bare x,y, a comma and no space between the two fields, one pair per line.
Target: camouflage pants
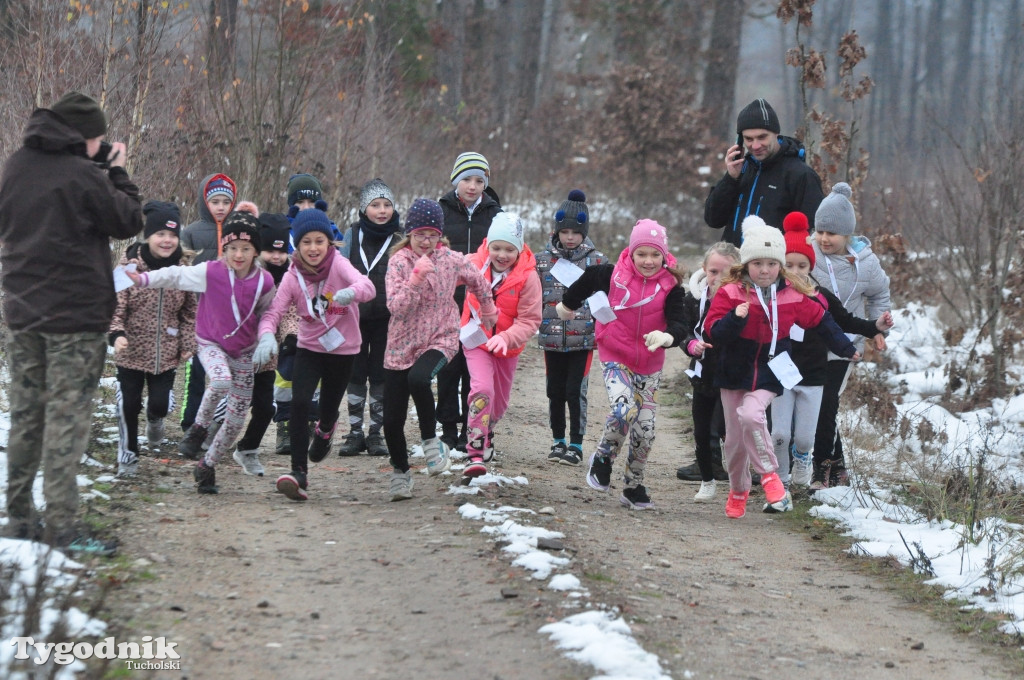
53,381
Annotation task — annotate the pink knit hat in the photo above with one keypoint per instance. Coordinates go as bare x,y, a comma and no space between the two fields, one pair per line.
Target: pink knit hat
648,233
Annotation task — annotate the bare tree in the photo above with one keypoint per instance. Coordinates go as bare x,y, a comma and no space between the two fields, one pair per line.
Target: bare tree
721,65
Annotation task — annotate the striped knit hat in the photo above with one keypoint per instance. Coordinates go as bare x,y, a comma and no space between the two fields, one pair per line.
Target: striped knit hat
470,164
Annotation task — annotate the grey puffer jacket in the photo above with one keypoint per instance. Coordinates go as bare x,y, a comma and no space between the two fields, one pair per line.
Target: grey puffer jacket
565,336
857,279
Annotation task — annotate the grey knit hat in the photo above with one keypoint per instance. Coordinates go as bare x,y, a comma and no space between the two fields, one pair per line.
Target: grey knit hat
573,214
836,214
373,190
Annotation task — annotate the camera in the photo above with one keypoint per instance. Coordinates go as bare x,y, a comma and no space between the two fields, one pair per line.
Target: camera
105,155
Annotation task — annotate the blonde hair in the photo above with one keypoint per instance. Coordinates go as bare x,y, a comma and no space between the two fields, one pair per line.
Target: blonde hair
407,239
738,272
722,249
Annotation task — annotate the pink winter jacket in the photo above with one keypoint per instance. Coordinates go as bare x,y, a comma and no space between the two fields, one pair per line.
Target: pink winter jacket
425,316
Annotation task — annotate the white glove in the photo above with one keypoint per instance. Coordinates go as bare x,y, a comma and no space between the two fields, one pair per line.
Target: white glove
345,296
266,348
656,339
564,313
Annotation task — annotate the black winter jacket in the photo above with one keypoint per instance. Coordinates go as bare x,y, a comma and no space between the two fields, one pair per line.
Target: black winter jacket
811,354
465,233
372,240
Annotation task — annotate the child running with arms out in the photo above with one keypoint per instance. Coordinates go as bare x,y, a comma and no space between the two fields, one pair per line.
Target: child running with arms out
236,292
643,290
322,284
510,270
423,334
749,324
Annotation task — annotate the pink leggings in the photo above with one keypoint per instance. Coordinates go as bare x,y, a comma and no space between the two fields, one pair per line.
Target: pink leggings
747,439
490,385
230,377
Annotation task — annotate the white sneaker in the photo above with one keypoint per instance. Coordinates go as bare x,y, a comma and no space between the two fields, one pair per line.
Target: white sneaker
127,469
401,486
706,493
155,433
438,456
785,505
250,462
803,467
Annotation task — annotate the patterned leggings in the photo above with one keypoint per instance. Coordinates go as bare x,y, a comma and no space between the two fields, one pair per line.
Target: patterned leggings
228,377
632,397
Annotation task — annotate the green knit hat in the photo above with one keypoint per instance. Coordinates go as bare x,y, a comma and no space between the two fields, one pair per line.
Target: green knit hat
82,113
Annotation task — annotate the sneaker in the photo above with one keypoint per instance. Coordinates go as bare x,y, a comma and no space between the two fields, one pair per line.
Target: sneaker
214,429
636,498
293,485
129,469
320,443
437,454
600,474
488,454
462,441
91,546
354,444
155,433
190,444
250,461
557,450
283,445
691,472
401,486
706,492
475,467
206,478
785,505
820,476
837,475
736,505
450,436
572,456
774,489
803,468
376,446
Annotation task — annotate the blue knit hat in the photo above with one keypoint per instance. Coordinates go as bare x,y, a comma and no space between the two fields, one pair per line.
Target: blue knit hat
309,220
424,214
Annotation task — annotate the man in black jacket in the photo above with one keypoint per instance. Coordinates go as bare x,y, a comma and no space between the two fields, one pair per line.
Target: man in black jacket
58,211
770,180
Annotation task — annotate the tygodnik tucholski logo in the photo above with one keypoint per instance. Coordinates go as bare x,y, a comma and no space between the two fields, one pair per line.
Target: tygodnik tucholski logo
151,654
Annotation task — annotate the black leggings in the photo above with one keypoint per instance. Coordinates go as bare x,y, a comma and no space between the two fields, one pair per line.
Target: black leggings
262,411
827,443
453,393
332,371
131,382
708,424
565,374
398,387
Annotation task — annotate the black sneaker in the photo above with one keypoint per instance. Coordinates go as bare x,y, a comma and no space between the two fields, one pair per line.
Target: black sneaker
354,444
283,445
837,475
572,456
320,443
205,476
636,498
460,443
600,474
689,473
191,444
557,451
293,485
376,446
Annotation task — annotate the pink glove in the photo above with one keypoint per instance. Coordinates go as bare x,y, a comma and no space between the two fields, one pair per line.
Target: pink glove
497,345
691,348
424,266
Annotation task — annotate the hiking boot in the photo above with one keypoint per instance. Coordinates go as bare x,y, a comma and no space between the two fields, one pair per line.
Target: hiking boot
450,436
785,505
706,492
774,489
283,445
837,475
600,474
736,505
438,456
214,429
354,444
189,446
557,449
401,486
636,498
293,485
820,476
206,478
572,456
803,468
320,443
376,446
250,461
128,469
691,472
155,433
475,467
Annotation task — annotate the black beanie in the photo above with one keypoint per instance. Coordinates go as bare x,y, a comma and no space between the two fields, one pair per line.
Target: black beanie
161,215
304,186
82,113
275,232
758,115
240,226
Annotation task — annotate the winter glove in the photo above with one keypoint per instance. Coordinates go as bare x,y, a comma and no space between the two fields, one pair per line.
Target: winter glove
266,349
344,297
564,313
658,339
424,266
497,345
289,346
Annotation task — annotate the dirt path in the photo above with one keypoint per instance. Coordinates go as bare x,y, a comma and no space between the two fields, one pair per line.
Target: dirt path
349,585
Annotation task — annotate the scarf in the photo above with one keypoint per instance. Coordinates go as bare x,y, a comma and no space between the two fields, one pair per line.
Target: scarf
154,262
380,231
322,270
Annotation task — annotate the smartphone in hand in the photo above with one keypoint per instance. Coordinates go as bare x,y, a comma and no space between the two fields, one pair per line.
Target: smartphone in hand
739,143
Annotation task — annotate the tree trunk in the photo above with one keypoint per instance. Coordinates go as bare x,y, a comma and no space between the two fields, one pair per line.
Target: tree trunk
723,59
547,20
223,30
959,105
450,57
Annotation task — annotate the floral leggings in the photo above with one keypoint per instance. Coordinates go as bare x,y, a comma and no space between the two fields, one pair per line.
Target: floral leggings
632,397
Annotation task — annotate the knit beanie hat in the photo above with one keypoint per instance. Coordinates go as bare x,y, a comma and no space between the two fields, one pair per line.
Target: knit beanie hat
573,214
797,235
761,242
82,113
373,190
836,214
311,219
758,115
274,232
470,164
240,226
648,233
304,187
507,227
424,214
161,215
220,185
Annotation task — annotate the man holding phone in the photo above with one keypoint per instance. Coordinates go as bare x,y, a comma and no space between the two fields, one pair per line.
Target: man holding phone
765,175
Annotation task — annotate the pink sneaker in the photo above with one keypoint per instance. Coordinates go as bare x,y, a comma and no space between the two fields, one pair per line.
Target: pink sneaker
475,467
774,491
736,505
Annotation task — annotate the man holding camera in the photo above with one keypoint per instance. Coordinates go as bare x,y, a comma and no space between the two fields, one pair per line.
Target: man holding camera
63,195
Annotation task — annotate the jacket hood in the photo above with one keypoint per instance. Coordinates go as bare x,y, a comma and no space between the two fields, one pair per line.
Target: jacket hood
860,245
48,132
698,282
204,212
